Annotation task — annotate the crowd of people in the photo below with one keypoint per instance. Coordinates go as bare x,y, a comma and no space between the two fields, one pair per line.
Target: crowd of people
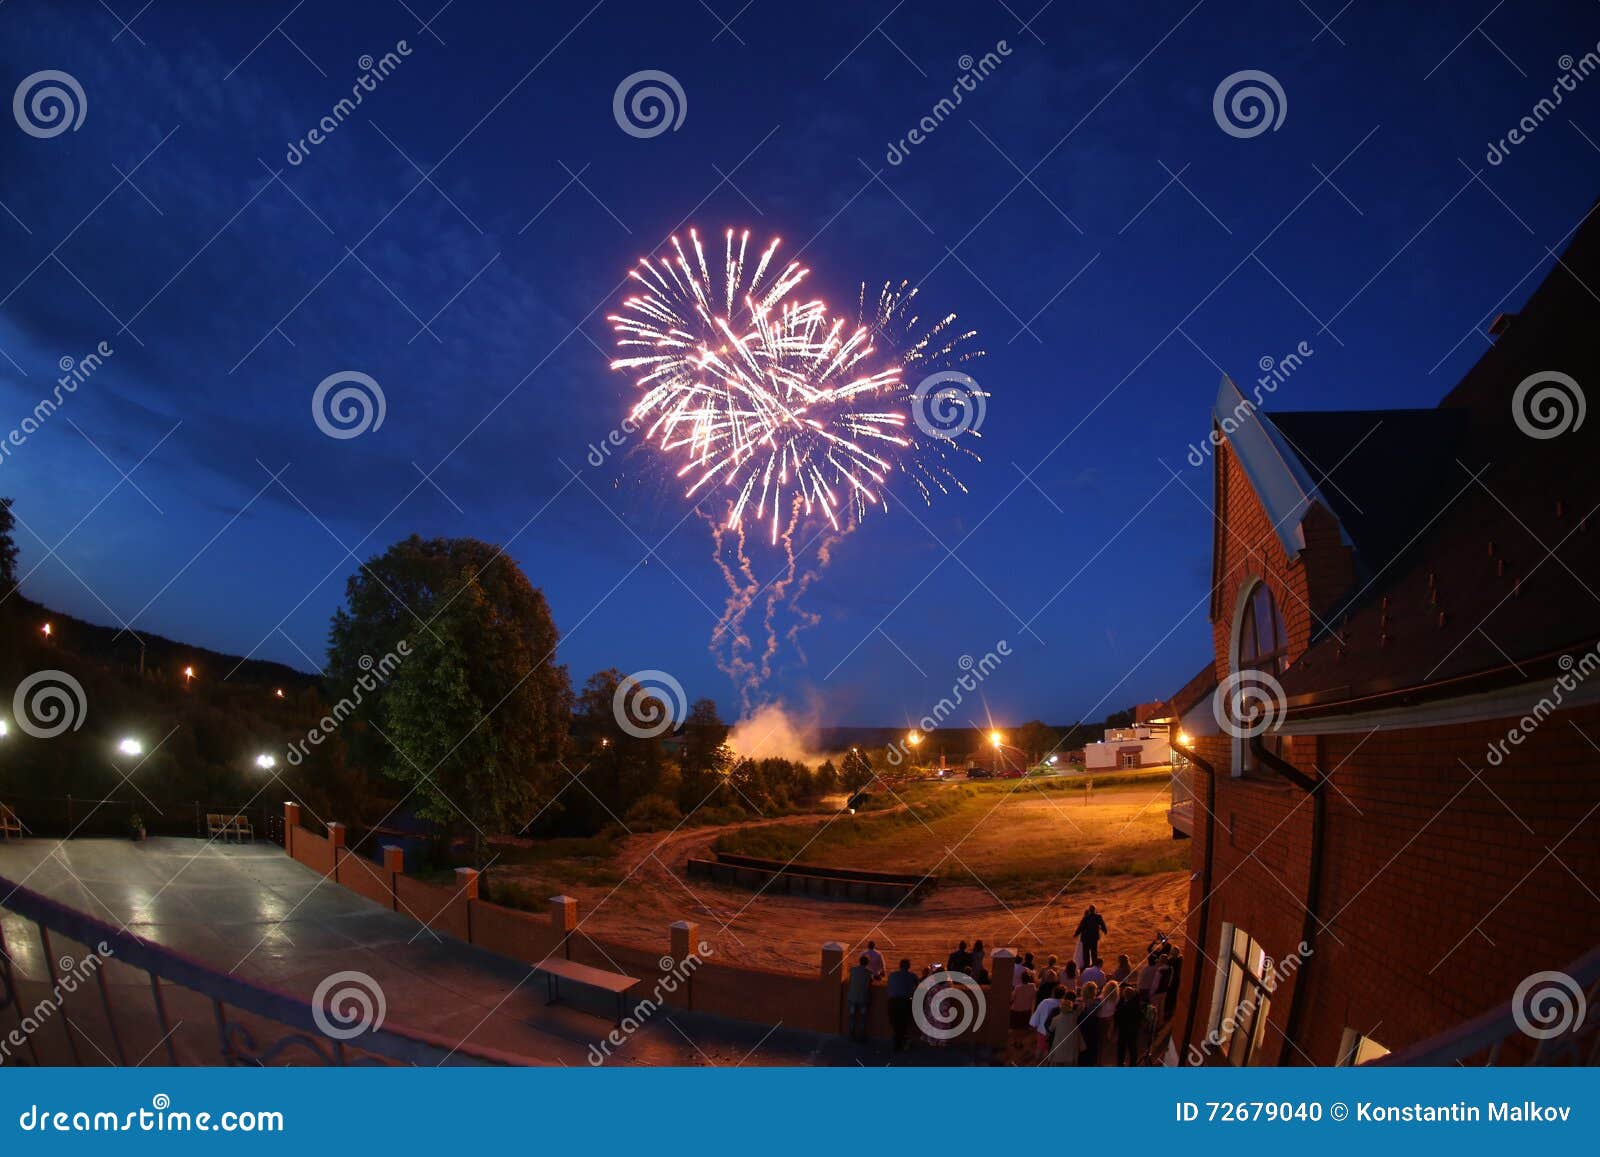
1078,1012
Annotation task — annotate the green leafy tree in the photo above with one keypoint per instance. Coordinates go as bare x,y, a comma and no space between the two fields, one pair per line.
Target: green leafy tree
620,766
8,549
1036,740
826,779
704,758
442,666
856,771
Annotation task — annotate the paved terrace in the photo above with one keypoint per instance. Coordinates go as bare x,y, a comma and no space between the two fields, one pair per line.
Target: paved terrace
252,911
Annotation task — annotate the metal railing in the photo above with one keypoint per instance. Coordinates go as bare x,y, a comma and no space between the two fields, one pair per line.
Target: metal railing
184,1010
1501,1036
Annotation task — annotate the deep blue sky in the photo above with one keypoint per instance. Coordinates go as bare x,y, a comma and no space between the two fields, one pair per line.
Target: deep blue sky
1405,260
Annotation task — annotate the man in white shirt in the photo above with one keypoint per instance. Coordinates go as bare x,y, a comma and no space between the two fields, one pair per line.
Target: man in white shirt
874,960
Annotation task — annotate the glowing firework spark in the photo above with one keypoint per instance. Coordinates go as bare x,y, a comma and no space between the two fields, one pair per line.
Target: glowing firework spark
786,406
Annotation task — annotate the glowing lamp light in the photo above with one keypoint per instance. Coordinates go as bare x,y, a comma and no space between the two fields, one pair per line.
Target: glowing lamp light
278,692
2,728
994,738
913,739
46,629
131,746
188,673
1184,738
265,762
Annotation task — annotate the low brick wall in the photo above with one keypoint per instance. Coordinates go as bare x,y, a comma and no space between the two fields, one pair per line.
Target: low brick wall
813,1003
440,907
314,851
366,878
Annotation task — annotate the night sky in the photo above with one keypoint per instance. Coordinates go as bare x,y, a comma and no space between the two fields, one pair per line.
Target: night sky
1082,208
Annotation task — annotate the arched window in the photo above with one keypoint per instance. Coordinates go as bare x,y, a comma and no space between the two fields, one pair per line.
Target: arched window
1262,646
1259,645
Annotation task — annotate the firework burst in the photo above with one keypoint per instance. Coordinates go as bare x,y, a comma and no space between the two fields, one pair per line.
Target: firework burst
752,388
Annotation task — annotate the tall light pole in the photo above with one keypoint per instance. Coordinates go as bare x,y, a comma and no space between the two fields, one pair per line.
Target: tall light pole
994,741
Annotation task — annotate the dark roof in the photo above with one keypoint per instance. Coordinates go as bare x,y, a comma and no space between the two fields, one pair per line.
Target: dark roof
1196,690
1383,473
1479,544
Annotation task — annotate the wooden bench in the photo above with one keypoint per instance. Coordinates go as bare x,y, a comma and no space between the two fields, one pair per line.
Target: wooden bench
556,970
226,827
10,826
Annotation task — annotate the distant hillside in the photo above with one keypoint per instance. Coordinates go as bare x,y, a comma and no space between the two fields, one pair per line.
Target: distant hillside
200,737
161,655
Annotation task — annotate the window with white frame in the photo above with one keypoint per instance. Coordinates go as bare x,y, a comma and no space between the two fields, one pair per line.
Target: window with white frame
1357,1048
1243,997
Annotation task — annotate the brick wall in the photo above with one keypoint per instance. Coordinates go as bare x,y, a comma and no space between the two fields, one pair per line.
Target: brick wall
1440,891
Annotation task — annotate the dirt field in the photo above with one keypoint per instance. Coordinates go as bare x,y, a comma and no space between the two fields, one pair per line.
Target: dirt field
1017,865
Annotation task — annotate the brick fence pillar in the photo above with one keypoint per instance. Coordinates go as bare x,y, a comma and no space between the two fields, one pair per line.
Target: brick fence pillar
466,893
564,921
833,984
394,866
997,1018
336,834
685,938
291,822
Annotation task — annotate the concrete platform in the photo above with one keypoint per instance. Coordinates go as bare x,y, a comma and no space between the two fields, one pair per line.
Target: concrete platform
253,911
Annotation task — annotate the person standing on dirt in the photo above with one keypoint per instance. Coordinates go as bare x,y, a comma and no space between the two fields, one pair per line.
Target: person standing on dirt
1090,929
902,985
859,994
960,960
874,960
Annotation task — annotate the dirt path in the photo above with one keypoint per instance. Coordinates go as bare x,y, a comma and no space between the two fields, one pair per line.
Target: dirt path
786,933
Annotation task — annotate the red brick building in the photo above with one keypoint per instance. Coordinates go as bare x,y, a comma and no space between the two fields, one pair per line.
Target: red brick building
1397,786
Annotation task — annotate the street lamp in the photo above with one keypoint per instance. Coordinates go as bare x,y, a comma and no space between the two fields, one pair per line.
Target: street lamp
265,762
188,673
130,746
46,630
913,739
278,692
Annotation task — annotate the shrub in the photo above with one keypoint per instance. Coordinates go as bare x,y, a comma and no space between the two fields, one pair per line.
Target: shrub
652,813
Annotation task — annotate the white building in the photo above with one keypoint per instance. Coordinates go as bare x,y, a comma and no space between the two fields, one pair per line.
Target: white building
1144,745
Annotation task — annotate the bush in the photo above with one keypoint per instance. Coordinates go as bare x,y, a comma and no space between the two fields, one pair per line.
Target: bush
652,813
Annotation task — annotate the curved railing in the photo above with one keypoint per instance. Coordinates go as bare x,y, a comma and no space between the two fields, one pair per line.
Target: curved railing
1484,1039
276,1027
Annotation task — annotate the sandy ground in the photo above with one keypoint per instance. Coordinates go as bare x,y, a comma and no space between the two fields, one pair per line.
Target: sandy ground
786,933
